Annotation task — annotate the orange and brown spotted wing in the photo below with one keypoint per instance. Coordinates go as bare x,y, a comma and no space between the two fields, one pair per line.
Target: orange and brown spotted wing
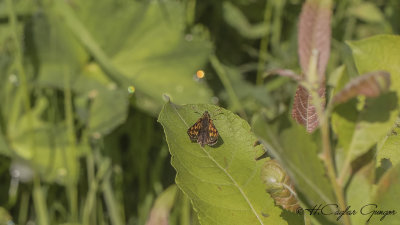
212,133
194,130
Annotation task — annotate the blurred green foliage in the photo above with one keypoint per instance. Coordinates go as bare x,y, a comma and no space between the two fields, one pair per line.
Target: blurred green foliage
77,148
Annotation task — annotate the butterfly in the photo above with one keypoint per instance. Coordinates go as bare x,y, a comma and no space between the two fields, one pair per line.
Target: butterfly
204,131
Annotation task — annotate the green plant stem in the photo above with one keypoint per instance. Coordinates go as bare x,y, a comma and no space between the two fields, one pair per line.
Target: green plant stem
71,183
90,201
307,220
39,202
327,157
190,12
88,214
347,162
23,207
277,26
264,44
236,105
185,212
312,84
19,65
94,182
38,198
24,90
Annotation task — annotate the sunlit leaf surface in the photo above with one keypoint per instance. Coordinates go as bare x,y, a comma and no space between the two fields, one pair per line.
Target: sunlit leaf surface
222,181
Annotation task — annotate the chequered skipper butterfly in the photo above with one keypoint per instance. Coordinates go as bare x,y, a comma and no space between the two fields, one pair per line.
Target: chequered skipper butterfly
204,131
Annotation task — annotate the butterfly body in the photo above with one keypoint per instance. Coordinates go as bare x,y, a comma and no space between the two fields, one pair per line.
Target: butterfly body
204,131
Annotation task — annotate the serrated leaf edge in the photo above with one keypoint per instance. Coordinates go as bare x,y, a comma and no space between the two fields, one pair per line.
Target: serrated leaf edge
225,172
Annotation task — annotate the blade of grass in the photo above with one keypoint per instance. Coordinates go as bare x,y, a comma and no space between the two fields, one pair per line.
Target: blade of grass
111,203
39,202
264,43
38,198
185,212
190,12
277,25
23,207
236,105
71,183
93,187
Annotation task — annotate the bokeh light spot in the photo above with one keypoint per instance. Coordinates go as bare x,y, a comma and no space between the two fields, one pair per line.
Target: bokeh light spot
200,74
131,89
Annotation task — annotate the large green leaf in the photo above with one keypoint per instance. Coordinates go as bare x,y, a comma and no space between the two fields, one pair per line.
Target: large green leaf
222,181
292,147
53,52
380,52
149,48
363,128
60,55
45,146
108,107
387,198
388,147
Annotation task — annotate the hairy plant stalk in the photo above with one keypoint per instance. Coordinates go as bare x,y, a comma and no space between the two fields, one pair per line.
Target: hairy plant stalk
313,84
344,171
327,152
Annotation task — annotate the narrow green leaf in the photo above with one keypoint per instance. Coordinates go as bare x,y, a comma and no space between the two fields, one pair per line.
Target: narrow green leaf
222,181
234,17
161,209
292,147
359,192
368,12
387,198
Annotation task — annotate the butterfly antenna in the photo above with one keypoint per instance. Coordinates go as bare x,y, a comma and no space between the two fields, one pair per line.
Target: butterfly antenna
196,110
219,113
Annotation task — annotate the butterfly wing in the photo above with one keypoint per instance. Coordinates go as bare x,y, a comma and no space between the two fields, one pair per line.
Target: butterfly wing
194,130
212,134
